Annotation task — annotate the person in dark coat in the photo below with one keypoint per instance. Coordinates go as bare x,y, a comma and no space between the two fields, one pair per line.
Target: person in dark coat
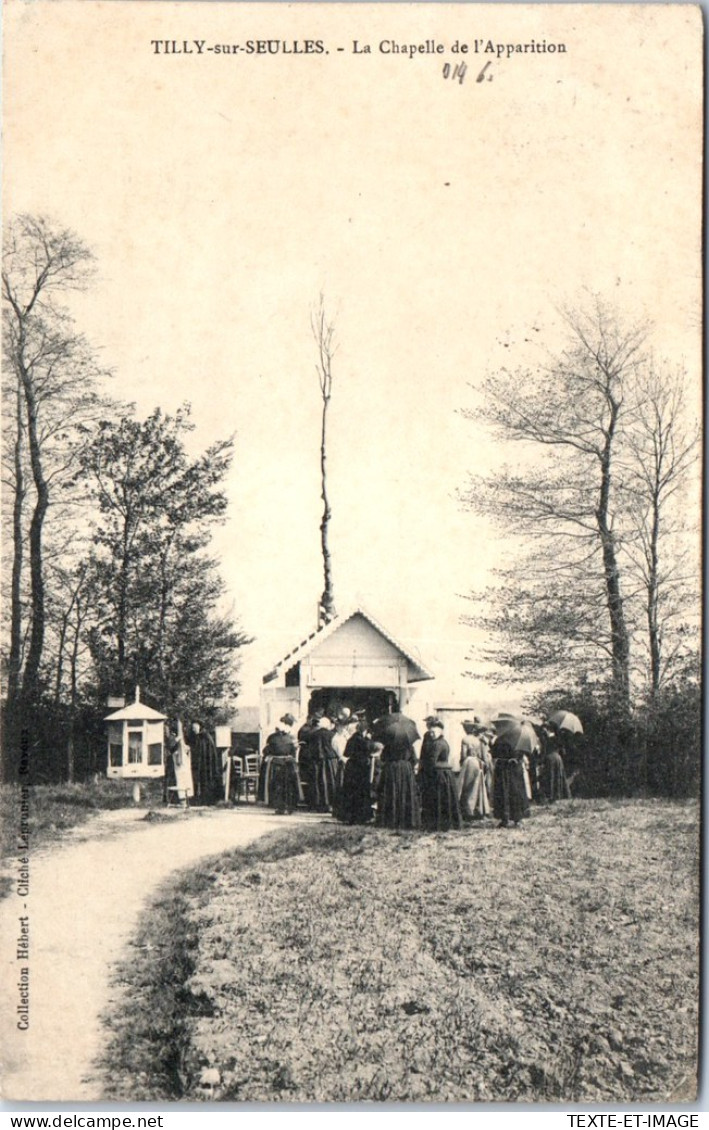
398,803
206,767
170,778
281,783
510,802
304,757
354,804
321,760
553,774
426,775
536,762
439,796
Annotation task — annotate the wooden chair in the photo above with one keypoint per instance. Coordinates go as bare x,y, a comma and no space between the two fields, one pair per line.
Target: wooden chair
246,773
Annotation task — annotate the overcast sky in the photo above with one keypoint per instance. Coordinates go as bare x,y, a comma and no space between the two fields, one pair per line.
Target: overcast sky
441,220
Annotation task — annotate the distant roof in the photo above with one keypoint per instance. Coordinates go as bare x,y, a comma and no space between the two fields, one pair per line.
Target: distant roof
135,712
418,671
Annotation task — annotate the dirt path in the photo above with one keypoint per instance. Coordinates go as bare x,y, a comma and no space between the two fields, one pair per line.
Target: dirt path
85,898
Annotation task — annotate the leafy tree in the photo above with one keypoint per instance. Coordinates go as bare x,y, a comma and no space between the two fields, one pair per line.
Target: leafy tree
657,750
198,673
68,611
604,760
156,594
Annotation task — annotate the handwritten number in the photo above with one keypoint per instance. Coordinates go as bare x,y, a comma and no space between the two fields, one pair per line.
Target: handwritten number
457,72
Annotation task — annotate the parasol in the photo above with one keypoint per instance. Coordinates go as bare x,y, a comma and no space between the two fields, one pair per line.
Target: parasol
395,729
565,720
521,735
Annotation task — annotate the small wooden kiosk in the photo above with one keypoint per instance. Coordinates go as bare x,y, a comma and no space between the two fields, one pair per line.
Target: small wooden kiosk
136,741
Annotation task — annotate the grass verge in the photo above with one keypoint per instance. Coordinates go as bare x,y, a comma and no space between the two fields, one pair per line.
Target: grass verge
53,810
332,964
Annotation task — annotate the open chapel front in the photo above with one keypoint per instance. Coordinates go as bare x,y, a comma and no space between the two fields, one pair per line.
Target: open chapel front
351,662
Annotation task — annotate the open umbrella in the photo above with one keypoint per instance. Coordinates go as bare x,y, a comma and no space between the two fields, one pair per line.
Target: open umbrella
565,720
519,734
395,729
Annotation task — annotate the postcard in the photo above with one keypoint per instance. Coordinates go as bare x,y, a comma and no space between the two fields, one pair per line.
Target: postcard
352,398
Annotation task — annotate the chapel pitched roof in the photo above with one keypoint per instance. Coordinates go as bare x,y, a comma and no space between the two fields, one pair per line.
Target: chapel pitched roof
417,671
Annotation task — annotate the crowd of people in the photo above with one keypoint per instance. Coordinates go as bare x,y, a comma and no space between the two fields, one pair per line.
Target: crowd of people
383,771
361,771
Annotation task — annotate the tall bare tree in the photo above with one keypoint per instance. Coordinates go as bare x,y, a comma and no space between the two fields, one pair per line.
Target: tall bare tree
662,448
15,487
324,334
52,381
68,609
568,416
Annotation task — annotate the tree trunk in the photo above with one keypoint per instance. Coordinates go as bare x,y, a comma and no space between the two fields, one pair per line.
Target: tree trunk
70,758
324,332
71,741
653,625
14,659
123,612
620,639
165,594
327,600
30,681
60,658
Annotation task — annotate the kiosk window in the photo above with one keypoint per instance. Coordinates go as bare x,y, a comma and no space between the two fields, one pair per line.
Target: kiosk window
135,747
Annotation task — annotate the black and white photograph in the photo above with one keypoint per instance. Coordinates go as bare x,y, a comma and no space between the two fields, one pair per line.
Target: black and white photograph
352,397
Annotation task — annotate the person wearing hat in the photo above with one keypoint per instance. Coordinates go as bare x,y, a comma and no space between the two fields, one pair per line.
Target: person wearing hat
281,783
344,727
398,801
206,766
178,765
427,758
509,798
321,760
439,797
354,802
472,785
304,754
